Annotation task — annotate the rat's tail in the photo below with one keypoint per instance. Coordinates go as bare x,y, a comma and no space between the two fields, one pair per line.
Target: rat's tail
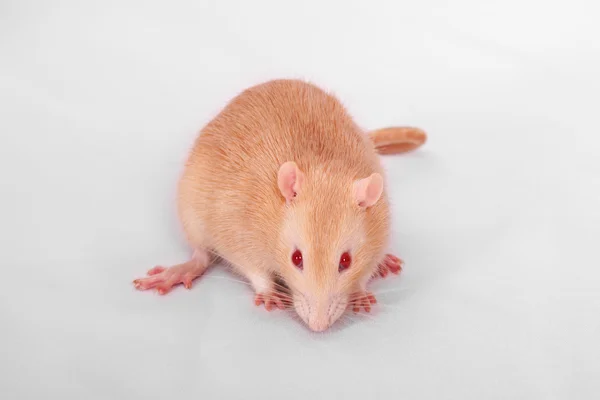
396,140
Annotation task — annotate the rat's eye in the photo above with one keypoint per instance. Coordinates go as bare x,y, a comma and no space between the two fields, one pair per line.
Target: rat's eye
345,261
297,259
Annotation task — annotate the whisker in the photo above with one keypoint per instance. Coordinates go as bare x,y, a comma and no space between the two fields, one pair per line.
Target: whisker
289,302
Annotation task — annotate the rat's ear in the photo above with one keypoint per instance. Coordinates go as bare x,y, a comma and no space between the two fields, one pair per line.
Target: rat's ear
289,180
367,191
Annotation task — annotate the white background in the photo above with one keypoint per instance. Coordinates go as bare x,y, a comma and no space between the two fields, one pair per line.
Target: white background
497,216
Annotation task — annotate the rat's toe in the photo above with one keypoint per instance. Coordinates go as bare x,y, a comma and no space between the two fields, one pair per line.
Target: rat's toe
390,263
270,300
147,283
363,301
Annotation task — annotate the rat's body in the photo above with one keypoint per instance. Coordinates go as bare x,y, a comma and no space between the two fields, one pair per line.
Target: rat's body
284,174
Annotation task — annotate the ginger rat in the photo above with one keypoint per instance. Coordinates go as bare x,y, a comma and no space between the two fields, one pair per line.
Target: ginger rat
283,185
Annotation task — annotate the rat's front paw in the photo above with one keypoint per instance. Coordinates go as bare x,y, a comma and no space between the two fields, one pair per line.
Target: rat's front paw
390,263
362,300
270,300
164,279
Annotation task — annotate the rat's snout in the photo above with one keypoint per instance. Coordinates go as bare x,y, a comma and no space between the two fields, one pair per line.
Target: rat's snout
318,318
321,312
319,324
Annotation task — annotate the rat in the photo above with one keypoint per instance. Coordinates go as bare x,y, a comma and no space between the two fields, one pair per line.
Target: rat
284,185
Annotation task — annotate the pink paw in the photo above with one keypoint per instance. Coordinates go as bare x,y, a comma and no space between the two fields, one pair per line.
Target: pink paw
270,300
164,279
362,300
390,263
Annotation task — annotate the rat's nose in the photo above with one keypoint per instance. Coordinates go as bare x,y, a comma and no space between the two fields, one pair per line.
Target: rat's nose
318,322
318,317
319,325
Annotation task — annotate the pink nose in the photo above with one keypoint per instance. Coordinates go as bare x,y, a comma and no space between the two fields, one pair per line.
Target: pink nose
318,325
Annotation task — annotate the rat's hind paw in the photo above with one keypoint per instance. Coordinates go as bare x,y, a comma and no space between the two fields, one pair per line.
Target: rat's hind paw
362,300
163,279
270,300
390,263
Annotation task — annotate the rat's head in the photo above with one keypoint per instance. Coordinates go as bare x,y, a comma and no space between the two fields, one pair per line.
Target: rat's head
334,231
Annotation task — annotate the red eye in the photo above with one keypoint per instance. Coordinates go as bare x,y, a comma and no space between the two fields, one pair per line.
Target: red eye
297,259
345,261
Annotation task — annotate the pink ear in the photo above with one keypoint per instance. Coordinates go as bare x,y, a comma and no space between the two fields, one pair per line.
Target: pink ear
367,191
289,180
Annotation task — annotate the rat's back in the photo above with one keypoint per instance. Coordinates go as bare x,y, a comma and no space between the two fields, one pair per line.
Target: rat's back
228,195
